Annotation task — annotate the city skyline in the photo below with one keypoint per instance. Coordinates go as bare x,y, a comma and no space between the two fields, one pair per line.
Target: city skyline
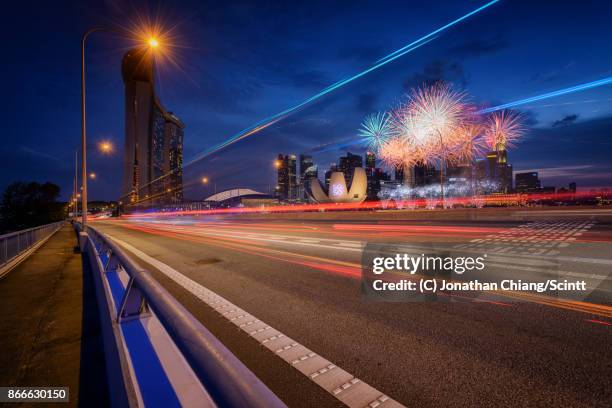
566,141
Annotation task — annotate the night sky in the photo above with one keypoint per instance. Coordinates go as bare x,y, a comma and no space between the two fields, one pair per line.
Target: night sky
239,62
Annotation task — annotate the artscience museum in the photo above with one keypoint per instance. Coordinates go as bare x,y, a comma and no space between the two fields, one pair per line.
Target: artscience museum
338,192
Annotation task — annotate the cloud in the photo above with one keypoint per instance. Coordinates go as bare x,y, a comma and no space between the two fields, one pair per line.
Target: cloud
310,79
478,47
530,118
366,102
436,71
566,121
361,53
552,75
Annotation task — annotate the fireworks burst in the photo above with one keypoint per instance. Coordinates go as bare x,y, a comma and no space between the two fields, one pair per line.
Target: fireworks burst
430,122
470,143
395,152
504,128
434,114
376,129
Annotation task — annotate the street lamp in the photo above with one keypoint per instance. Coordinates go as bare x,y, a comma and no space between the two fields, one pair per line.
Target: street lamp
204,180
105,147
92,175
153,43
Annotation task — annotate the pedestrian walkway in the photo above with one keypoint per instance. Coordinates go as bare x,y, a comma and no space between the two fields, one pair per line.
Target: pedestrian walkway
49,329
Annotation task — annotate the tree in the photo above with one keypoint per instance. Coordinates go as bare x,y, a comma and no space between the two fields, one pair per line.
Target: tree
26,205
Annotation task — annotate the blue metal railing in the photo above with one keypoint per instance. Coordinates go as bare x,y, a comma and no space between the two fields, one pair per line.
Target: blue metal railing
225,378
16,244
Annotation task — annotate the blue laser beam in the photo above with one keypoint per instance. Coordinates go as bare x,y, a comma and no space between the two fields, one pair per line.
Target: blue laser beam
572,89
262,124
439,30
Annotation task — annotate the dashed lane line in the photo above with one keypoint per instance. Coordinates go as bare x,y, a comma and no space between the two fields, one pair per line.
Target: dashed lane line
341,384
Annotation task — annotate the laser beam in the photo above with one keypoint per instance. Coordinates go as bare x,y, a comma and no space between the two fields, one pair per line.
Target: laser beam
281,115
263,124
381,62
439,30
572,89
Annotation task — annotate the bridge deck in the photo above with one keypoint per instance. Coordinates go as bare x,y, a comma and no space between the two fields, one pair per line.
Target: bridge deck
49,323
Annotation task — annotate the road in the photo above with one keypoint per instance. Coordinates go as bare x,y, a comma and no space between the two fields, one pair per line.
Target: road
293,284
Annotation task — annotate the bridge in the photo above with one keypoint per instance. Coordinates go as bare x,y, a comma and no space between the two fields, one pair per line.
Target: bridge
261,309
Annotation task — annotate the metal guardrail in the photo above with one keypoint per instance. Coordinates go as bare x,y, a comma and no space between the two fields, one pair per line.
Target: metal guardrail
228,382
14,246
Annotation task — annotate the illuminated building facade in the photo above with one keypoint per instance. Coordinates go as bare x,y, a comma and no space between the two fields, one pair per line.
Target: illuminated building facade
347,165
308,171
153,162
286,185
528,182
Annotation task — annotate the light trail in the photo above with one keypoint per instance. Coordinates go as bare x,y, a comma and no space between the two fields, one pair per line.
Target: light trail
263,124
281,115
417,203
565,91
381,62
439,30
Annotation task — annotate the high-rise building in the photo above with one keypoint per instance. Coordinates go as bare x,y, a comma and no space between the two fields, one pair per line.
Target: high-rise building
308,172
153,163
333,168
527,182
495,168
370,160
347,165
399,174
425,174
286,186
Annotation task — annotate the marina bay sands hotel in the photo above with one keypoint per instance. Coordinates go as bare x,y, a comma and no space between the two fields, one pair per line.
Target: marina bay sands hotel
153,163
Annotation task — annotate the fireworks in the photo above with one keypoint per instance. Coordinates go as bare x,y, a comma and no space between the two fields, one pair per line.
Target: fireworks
395,152
375,129
429,122
504,128
437,126
434,114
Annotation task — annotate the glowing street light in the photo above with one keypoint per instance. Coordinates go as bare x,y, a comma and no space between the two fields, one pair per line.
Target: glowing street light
277,164
204,180
92,176
153,43
105,147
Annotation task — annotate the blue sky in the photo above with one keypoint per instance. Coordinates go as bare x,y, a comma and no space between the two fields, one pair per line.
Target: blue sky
243,61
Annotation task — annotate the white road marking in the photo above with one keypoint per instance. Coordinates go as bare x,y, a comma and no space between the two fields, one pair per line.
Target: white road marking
353,246
338,382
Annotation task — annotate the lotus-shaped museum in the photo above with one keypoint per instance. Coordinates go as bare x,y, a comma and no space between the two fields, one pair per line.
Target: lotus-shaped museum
338,191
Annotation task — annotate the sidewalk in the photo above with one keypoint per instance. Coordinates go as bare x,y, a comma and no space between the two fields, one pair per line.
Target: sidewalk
49,329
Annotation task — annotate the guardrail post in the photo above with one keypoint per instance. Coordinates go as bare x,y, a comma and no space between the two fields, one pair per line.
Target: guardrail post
133,304
112,263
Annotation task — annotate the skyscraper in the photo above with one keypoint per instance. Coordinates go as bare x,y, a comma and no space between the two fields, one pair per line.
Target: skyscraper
348,164
370,160
286,186
308,172
495,168
153,163
527,182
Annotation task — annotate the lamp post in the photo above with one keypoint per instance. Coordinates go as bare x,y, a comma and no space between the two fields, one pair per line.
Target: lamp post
153,43
84,128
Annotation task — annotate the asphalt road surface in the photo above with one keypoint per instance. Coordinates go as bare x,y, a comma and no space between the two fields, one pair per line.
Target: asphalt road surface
302,278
